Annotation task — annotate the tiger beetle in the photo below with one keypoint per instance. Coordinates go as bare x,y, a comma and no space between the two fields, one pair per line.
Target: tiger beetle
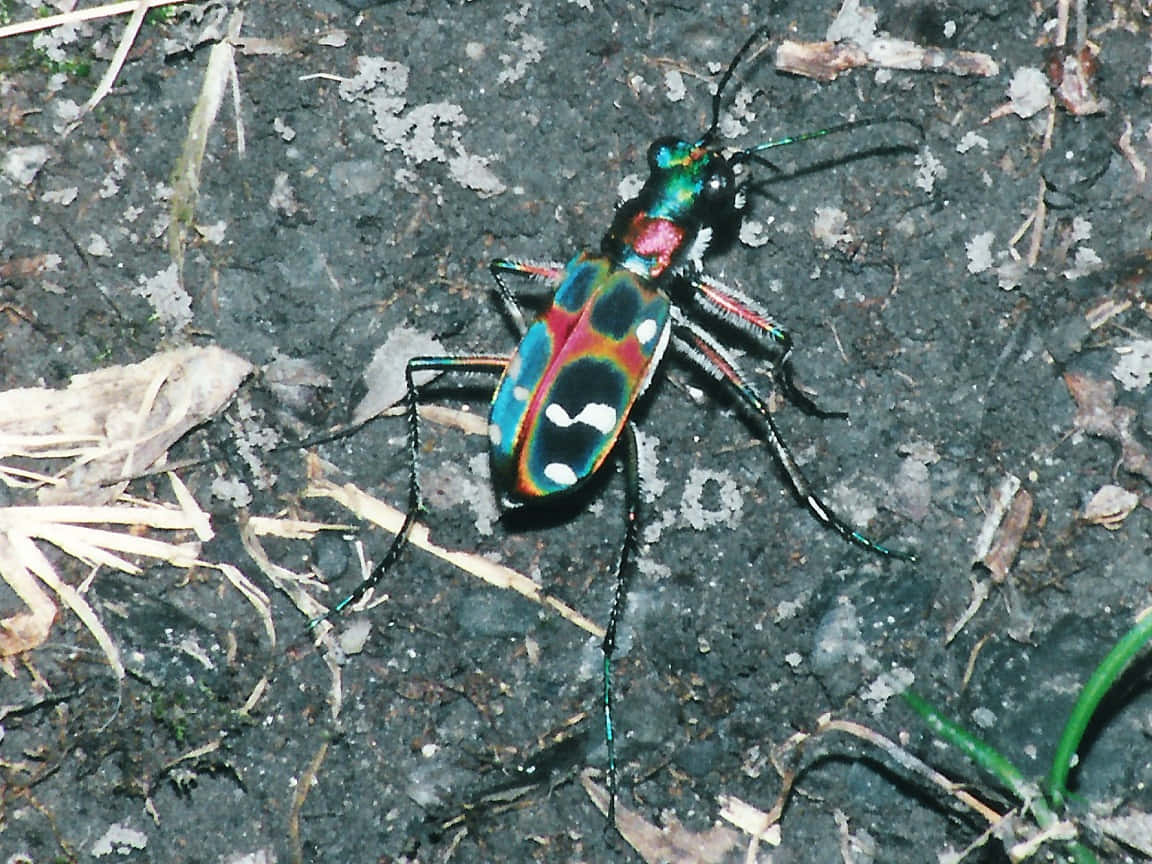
562,405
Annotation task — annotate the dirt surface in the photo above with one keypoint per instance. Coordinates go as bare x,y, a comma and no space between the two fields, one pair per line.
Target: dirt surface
369,198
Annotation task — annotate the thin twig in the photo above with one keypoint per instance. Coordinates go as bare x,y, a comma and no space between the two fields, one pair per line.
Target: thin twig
77,15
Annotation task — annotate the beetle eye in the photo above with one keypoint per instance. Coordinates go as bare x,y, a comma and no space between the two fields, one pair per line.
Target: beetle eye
664,153
718,184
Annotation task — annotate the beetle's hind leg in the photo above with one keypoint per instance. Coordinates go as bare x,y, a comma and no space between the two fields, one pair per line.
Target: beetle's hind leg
461,363
696,345
630,458
750,318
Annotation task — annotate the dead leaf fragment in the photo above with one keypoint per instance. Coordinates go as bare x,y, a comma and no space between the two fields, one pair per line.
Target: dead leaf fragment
1003,528
385,375
672,842
115,422
1098,414
852,41
1110,506
823,61
1074,77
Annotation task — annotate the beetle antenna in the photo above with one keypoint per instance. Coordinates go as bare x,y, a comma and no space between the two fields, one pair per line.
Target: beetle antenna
759,33
749,155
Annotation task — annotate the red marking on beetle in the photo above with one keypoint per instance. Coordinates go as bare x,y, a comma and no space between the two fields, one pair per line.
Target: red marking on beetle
655,238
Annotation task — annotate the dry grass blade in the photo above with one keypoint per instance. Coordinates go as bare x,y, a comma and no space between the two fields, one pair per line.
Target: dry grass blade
22,564
299,797
390,519
292,529
113,70
28,557
107,10
253,595
259,601
287,581
911,764
186,176
25,630
762,827
293,586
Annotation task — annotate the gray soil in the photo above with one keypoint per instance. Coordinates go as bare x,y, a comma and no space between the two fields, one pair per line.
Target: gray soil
902,268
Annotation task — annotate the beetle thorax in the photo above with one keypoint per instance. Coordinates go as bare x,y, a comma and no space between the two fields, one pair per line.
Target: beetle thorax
690,188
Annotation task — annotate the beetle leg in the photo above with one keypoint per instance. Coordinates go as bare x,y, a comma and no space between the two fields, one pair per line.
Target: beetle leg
750,318
693,343
462,363
549,271
629,457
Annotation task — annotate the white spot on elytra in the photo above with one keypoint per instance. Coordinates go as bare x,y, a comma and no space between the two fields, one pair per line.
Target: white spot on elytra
646,332
560,474
494,434
595,414
520,394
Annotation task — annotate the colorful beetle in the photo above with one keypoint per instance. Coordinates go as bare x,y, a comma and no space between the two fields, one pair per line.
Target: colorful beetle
564,398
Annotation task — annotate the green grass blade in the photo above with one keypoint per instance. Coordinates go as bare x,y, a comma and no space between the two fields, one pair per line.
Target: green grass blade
1094,691
978,751
988,758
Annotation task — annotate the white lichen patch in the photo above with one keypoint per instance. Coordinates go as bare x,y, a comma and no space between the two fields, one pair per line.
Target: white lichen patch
652,485
979,251
472,172
283,196
859,507
1028,91
1134,368
66,112
629,186
675,91
754,233
838,639
53,43
830,227
213,232
888,684
231,490
63,197
528,49
119,839
110,185
97,246
171,303
22,164
929,169
735,121
970,140
423,133
1085,260
710,498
